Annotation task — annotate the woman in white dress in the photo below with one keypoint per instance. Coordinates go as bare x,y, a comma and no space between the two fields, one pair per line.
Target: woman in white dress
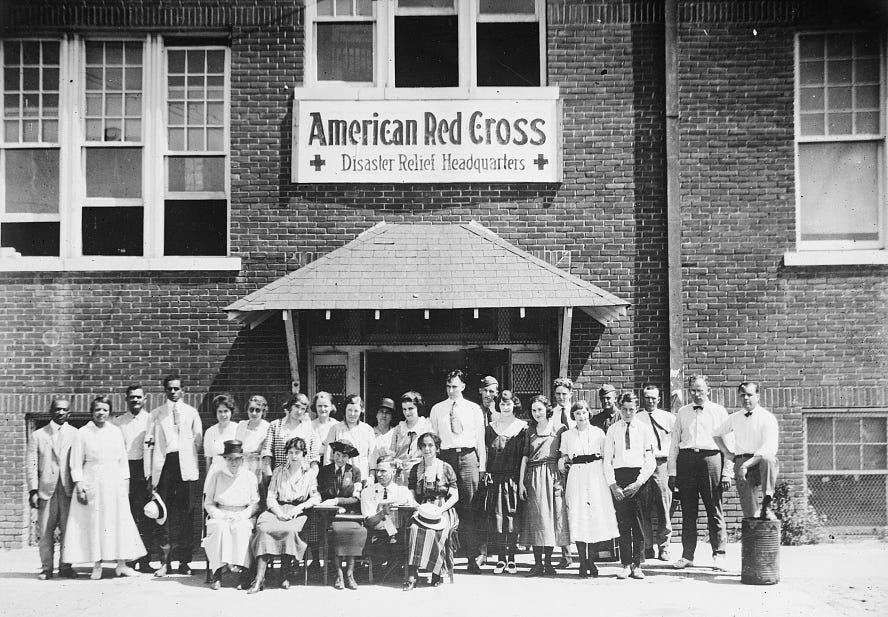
355,430
322,410
100,524
231,499
590,510
406,434
383,432
252,432
224,430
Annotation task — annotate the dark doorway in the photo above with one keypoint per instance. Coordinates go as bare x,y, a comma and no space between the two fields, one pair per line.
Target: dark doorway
392,374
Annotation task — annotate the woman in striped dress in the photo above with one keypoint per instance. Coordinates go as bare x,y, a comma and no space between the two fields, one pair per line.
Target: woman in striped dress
432,484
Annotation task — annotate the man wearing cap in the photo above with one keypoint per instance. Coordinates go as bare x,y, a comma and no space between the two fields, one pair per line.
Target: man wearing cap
609,414
133,424
755,453
657,499
172,440
50,484
460,425
488,390
696,467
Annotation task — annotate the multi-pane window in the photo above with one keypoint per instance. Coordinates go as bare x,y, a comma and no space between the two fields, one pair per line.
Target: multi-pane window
426,43
840,135
29,151
132,181
847,468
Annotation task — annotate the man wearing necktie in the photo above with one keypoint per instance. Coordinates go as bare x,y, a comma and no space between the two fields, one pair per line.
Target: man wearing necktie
696,466
377,503
755,451
658,497
50,484
628,464
460,425
172,439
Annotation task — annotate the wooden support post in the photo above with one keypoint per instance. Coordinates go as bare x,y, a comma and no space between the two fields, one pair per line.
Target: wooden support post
564,356
291,327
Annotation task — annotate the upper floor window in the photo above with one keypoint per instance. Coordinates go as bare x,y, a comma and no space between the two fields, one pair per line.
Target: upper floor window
114,147
840,138
425,43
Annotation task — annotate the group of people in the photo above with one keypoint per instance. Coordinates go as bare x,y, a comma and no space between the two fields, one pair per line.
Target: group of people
484,478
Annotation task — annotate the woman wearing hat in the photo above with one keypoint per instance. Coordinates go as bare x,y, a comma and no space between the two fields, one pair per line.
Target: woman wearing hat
293,488
383,432
100,524
231,499
432,483
339,484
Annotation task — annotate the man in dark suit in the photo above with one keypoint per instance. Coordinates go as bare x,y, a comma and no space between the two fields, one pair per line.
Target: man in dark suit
49,481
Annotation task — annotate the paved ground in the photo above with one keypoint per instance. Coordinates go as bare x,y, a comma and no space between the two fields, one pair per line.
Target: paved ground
828,579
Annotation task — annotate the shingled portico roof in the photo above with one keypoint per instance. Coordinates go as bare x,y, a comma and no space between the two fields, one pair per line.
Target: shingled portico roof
457,266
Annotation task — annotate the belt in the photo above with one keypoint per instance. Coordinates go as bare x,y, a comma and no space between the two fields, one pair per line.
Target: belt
292,502
585,458
661,459
746,455
700,452
458,450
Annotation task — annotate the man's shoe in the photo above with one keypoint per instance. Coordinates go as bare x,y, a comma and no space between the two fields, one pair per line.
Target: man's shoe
409,584
511,568
718,562
636,572
66,572
500,567
45,575
649,553
473,567
549,571
437,580
664,554
163,570
624,573
683,563
535,571
184,568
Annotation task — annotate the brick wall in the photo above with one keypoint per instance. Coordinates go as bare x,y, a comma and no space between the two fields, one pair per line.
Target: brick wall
802,332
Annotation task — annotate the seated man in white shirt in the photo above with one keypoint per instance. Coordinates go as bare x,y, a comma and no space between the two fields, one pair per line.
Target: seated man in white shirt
755,453
377,502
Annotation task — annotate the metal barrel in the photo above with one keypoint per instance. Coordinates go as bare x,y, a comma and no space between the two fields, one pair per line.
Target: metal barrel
761,552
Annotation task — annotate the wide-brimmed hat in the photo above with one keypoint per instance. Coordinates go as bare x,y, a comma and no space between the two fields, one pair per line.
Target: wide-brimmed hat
386,403
156,509
233,448
428,515
344,446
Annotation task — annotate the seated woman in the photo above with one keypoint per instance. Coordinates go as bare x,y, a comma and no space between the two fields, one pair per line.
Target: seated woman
231,499
432,484
293,488
340,485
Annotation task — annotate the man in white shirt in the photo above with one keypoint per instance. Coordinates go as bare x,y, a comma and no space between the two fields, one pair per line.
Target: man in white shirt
377,503
172,441
658,497
628,464
133,424
50,483
696,466
460,425
755,451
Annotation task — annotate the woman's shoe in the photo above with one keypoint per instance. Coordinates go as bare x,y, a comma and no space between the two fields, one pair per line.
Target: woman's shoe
285,584
350,582
437,580
96,573
409,584
511,568
549,571
256,587
593,570
125,571
500,567
216,585
535,571
338,584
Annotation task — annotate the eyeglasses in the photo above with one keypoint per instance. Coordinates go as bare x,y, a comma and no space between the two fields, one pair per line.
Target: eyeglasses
60,408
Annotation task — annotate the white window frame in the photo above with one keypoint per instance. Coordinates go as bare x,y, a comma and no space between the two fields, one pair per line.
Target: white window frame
72,180
384,47
837,252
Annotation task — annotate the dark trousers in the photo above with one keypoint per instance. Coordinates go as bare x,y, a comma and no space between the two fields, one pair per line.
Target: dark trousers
697,476
629,519
138,497
465,464
176,536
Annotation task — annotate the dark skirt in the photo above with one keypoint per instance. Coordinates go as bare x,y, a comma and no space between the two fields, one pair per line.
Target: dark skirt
276,537
348,538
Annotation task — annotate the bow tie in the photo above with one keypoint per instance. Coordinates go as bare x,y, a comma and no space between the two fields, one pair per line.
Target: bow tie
748,413
698,407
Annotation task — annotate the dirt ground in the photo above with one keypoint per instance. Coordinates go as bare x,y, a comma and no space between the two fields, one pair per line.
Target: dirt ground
828,579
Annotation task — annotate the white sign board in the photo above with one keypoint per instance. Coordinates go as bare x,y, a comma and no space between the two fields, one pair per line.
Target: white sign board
426,141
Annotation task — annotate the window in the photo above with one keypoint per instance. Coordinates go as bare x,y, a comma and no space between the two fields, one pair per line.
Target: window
840,137
847,467
425,43
91,169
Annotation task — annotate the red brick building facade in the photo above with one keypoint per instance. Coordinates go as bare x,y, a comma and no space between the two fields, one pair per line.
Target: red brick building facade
159,139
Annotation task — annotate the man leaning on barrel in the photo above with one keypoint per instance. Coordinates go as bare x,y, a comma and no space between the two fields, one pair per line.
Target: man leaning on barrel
755,451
